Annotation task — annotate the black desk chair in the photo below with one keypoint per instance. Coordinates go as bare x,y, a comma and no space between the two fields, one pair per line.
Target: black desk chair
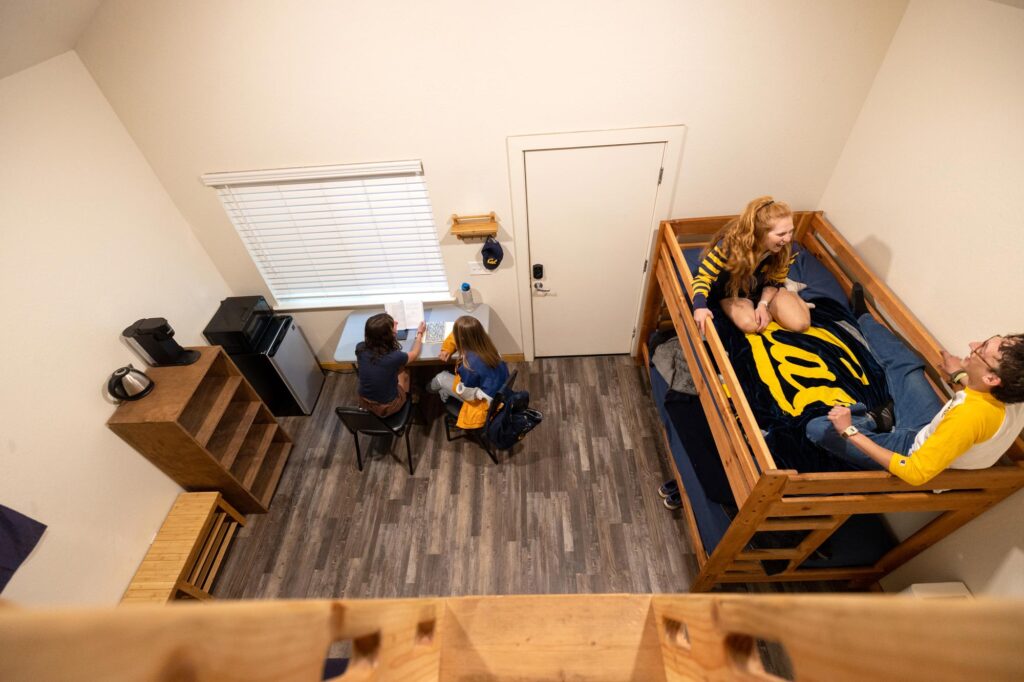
453,407
357,420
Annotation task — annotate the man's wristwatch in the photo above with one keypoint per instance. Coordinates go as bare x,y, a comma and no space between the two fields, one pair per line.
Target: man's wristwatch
849,431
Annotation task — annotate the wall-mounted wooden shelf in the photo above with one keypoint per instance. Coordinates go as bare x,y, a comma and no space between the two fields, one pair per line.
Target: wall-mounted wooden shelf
205,427
475,226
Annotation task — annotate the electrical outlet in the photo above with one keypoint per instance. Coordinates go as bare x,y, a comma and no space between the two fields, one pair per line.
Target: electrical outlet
477,268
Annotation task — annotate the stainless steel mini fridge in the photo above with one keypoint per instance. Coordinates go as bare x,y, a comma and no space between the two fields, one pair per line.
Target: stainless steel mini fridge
294,362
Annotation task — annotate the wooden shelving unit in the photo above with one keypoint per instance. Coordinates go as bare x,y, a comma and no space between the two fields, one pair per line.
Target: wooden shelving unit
475,226
187,552
205,427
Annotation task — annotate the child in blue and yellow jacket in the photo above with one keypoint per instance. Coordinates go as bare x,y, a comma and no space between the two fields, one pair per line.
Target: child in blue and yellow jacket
479,375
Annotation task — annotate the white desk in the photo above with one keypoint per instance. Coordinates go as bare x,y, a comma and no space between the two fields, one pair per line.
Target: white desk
354,330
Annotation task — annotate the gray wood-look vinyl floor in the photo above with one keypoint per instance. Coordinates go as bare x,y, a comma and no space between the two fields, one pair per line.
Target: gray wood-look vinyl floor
572,509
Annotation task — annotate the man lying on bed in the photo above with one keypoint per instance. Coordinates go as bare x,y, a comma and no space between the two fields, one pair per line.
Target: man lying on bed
971,431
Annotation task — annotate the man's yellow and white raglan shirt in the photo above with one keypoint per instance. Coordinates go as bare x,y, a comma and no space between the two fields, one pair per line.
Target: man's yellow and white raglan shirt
970,432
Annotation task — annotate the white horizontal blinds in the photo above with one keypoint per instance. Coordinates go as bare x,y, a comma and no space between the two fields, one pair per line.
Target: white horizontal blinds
339,240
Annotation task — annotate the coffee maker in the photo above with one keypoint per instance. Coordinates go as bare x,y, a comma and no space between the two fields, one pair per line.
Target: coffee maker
153,339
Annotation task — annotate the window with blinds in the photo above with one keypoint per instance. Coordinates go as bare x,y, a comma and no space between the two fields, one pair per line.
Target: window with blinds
354,234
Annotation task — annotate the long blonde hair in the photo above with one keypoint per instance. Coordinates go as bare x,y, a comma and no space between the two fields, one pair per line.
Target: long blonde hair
470,336
741,238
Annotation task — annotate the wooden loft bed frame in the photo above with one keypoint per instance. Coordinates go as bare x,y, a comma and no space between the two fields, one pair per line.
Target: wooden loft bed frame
773,499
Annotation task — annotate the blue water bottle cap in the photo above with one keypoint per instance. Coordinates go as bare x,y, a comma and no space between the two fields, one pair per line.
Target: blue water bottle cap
465,286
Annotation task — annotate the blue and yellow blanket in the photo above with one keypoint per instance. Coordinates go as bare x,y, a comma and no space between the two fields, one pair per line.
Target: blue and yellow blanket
789,378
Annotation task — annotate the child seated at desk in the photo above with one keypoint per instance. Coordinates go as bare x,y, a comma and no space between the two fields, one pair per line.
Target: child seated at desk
381,366
481,372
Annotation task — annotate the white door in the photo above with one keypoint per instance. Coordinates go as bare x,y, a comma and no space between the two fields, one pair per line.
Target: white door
589,213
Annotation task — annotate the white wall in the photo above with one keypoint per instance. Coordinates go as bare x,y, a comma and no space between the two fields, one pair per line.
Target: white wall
768,91
929,190
91,242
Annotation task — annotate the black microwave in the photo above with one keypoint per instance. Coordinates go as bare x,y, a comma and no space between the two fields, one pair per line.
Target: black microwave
239,323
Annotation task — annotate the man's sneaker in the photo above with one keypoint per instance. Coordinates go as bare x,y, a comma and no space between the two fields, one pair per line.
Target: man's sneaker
673,501
857,303
884,418
668,488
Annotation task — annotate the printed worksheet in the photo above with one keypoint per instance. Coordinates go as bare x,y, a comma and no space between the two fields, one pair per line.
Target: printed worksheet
408,314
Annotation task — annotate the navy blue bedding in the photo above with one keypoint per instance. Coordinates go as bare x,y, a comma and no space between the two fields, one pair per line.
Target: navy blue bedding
679,423
861,541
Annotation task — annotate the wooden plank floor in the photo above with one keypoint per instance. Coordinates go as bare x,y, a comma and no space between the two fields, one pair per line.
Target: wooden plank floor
572,509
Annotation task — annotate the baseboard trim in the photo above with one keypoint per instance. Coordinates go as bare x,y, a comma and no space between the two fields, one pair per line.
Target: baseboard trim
338,366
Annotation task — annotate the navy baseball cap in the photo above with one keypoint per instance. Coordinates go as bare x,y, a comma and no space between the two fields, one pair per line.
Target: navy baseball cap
492,253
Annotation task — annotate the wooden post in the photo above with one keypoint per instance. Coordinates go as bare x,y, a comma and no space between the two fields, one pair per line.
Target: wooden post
767,491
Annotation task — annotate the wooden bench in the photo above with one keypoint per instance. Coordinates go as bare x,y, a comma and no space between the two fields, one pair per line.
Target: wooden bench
188,550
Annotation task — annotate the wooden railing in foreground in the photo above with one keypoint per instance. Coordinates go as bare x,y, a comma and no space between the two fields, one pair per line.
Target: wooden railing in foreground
577,637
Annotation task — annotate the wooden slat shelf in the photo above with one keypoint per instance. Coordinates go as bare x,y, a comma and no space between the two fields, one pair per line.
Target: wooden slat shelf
188,550
202,571
210,391
219,558
253,452
230,434
209,547
475,226
223,393
205,427
266,483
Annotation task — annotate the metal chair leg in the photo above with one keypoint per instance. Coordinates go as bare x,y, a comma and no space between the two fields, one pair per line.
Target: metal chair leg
359,454
447,430
408,451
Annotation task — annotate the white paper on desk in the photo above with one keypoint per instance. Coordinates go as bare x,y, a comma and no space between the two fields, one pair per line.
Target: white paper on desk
408,314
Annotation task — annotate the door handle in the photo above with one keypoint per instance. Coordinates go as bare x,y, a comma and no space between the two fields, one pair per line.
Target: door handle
538,287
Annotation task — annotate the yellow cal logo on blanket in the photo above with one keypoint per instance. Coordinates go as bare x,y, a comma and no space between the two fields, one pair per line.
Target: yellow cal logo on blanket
780,363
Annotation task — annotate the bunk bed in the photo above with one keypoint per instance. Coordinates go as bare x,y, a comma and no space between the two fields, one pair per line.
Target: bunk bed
783,519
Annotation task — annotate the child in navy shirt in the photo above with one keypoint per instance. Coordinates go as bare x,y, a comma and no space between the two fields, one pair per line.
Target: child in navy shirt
381,366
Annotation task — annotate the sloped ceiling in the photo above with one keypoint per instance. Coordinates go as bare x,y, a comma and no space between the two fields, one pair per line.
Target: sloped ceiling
32,31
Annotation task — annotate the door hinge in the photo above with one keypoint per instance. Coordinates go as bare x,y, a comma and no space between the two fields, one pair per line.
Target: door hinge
661,174
645,266
634,333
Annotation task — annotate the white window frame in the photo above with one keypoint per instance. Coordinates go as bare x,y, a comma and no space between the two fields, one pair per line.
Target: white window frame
342,213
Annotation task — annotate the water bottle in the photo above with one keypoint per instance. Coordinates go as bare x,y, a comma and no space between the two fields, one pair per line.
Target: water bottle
466,296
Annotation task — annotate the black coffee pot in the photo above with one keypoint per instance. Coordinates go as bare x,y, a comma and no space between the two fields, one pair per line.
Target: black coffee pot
153,339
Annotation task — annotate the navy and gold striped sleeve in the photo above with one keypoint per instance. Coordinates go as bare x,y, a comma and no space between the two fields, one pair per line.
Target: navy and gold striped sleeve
707,274
777,278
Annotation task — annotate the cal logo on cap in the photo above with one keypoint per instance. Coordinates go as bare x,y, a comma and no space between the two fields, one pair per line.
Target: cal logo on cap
492,253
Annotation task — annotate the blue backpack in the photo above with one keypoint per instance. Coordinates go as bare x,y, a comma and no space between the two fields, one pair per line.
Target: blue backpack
512,420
